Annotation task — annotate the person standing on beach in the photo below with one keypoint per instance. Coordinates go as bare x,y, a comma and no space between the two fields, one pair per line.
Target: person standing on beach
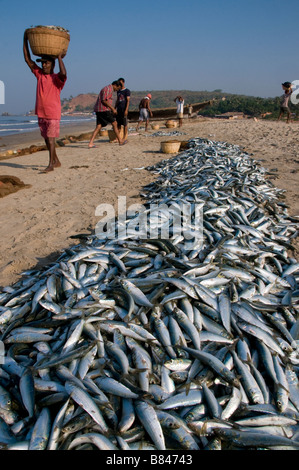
106,113
284,104
122,107
48,103
180,109
145,111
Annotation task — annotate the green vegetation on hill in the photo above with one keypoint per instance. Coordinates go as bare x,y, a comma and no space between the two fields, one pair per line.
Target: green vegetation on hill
249,105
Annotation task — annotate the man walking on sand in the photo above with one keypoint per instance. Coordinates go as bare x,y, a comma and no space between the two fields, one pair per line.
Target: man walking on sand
284,103
122,107
145,111
106,113
180,109
48,104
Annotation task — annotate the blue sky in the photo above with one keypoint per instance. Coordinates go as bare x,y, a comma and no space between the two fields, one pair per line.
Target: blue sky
240,46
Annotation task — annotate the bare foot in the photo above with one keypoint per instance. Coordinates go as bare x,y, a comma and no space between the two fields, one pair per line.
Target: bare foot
123,142
49,168
57,164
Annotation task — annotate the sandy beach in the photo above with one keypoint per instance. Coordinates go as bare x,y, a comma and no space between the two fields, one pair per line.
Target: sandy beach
36,223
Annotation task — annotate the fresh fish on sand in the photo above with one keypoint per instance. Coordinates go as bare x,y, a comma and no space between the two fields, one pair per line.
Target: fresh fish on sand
163,343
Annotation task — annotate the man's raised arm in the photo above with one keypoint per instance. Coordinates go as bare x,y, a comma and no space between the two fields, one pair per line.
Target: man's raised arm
26,52
62,69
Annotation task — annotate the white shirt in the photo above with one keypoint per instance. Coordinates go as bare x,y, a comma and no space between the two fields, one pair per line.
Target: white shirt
180,106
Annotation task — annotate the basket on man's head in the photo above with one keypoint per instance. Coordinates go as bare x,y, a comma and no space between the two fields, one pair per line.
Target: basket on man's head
48,40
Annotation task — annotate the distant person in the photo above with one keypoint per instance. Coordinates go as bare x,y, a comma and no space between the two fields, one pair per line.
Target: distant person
106,113
122,107
190,110
145,111
284,104
180,109
48,103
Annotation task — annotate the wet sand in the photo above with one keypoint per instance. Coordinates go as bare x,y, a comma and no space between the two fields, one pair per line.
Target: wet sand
25,139
36,222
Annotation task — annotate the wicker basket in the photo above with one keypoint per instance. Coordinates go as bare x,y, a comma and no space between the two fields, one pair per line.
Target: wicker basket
170,146
47,41
170,124
103,133
155,127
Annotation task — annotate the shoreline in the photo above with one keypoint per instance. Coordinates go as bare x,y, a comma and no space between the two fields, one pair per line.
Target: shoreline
26,139
36,223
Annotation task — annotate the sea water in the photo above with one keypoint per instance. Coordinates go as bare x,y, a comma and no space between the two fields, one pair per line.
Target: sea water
19,124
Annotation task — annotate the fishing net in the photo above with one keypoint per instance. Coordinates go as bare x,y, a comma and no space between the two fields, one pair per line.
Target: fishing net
11,184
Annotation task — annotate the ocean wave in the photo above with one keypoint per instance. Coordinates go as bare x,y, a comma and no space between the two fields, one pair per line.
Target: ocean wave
17,130
17,123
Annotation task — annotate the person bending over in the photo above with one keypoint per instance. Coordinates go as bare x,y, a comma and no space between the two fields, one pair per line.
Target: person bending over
106,113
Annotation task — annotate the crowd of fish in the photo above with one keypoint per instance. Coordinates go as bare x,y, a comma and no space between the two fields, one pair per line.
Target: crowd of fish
167,134
155,343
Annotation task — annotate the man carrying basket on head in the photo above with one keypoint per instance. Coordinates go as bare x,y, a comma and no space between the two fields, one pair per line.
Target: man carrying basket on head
48,104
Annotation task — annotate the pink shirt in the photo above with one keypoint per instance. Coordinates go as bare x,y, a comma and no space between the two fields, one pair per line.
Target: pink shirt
106,94
49,86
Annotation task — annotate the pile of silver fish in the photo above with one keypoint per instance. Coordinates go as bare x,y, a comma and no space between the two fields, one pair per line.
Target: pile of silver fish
140,343
169,133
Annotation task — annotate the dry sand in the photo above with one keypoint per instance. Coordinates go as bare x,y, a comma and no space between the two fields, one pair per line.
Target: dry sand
36,223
